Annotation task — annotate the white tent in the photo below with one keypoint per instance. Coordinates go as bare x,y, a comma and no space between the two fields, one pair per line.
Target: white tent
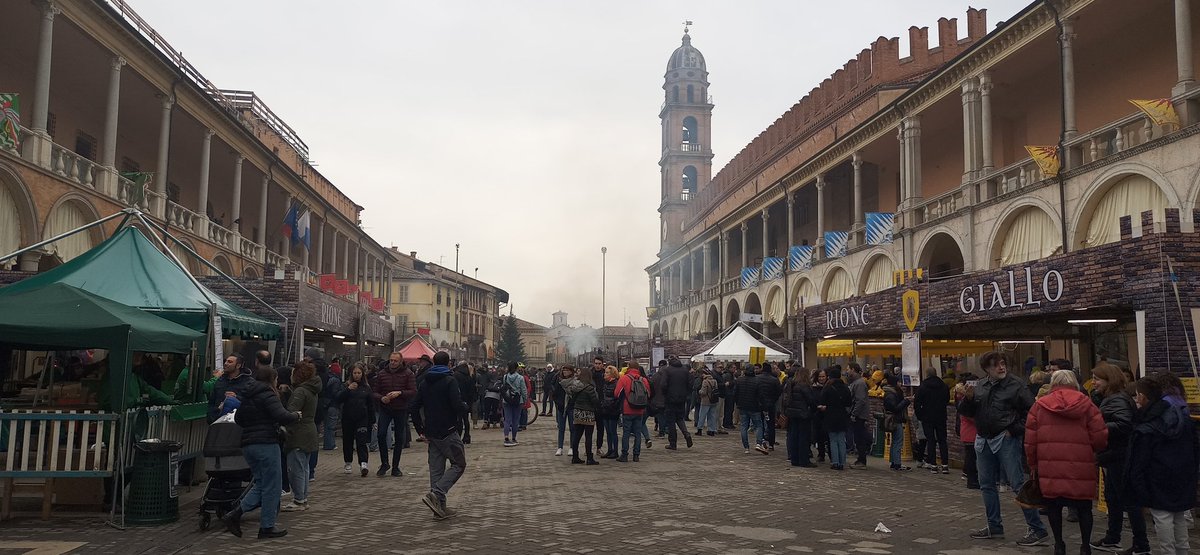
735,343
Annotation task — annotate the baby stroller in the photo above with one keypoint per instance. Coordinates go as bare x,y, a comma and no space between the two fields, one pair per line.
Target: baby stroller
229,476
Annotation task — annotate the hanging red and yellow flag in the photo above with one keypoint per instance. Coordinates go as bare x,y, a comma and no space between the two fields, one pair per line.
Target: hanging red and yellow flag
1046,158
1159,110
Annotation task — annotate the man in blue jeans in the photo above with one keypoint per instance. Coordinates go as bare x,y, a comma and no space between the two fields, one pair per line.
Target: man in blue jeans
633,416
750,404
393,388
999,405
559,396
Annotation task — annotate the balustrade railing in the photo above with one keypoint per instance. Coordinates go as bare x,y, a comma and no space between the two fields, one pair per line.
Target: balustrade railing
250,249
180,217
219,234
691,147
941,206
275,260
72,166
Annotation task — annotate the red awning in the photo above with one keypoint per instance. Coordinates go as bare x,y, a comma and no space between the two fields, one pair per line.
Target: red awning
414,348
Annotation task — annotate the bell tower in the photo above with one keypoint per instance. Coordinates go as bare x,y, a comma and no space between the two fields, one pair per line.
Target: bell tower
686,162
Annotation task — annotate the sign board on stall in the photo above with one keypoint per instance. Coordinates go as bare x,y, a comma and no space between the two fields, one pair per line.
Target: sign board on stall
910,357
1191,390
752,318
657,354
758,355
218,346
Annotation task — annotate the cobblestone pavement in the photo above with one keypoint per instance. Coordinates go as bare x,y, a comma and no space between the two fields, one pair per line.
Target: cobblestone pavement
712,498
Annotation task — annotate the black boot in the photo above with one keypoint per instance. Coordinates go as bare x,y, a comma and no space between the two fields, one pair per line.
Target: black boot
1060,548
268,533
591,460
233,521
576,460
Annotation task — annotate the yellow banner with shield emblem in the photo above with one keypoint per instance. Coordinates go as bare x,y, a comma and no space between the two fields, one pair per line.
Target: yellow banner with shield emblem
911,304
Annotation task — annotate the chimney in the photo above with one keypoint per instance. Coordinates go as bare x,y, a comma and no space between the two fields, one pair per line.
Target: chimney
412,254
918,43
947,33
976,23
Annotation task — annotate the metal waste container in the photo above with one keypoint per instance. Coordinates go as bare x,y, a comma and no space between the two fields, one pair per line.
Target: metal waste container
152,496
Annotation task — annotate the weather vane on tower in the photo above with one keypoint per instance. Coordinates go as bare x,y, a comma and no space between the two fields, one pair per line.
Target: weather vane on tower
686,23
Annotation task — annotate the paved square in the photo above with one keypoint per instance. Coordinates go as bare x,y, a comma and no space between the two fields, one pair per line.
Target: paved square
712,498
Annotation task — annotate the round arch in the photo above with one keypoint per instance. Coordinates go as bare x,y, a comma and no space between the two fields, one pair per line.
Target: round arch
222,263
685,328
697,324
714,320
1037,233
877,274
753,305
1126,191
250,272
839,285
733,312
189,262
18,214
941,254
804,294
776,309
72,211
674,329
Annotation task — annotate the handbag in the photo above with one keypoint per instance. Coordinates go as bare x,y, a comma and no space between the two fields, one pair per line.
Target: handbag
781,421
1030,494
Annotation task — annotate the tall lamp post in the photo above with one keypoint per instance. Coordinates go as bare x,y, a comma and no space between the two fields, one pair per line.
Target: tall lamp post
603,290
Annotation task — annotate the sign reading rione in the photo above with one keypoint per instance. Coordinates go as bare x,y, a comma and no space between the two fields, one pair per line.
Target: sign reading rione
847,317
1016,289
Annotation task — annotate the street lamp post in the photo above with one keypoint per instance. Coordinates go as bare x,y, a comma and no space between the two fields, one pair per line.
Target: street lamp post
456,258
604,257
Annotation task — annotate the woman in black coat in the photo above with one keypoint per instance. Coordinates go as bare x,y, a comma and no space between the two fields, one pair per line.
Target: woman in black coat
260,416
1118,410
929,406
610,410
358,416
819,435
835,411
799,404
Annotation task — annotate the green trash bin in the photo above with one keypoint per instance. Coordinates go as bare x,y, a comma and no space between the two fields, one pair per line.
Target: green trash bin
877,446
152,496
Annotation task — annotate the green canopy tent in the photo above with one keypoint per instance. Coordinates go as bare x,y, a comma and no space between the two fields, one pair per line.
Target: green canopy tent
60,316
129,269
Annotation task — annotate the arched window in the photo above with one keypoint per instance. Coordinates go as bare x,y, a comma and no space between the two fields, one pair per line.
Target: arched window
1130,196
10,223
691,95
65,217
879,275
689,183
1031,235
690,128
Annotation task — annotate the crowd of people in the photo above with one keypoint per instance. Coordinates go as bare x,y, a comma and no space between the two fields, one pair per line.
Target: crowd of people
1065,436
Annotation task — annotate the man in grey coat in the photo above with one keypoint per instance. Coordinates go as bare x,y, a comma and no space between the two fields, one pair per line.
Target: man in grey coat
860,413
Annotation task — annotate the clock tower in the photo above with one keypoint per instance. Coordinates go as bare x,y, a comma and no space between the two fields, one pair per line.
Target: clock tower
686,162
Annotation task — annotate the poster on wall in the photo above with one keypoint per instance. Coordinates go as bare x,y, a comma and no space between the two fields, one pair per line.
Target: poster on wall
657,354
910,358
218,345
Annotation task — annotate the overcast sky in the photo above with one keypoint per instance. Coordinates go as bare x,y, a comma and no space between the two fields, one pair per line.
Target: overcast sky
527,131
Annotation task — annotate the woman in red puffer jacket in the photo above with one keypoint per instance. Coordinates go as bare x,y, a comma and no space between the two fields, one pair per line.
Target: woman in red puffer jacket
1063,433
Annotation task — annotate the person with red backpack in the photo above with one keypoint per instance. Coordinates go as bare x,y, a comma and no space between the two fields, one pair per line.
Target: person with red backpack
634,392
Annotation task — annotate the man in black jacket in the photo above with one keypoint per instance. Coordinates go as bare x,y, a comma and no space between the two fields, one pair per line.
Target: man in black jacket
440,396
748,393
770,389
999,405
725,381
676,386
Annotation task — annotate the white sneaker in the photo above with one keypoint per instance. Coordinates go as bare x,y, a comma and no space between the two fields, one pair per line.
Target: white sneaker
347,468
558,452
570,452
293,506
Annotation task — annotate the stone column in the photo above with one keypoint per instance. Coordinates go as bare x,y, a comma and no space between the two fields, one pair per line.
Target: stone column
723,267
904,186
705,254
791,219
262,212
355,276
1068,70
766,242
346,261
235,223
682,289
108,152
985,123
202,200
164,156
666,285
321,248
28,261
970,99
692,271
820,216
287,241
387,291
333,250
745,227
856,162
653,296
38,147
1183,47
914,157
